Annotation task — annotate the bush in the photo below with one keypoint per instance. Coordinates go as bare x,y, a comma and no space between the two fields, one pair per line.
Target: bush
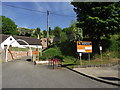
51,52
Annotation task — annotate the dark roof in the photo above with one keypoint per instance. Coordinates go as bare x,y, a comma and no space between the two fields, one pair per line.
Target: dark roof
3,37
29,40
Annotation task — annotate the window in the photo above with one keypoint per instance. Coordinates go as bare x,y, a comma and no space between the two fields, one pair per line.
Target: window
10,38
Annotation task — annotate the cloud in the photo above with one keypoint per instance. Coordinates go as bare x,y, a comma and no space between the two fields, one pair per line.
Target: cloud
38,7
63,8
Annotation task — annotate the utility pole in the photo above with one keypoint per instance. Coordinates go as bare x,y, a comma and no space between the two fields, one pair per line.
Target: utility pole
48,12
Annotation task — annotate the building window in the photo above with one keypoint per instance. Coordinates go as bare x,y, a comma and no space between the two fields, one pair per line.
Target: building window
10,38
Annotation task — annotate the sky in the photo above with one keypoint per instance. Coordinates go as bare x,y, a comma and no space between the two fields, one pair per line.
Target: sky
33,19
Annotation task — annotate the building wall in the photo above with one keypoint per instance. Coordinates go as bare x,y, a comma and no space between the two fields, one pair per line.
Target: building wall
44,42
17,55
8,41
11,41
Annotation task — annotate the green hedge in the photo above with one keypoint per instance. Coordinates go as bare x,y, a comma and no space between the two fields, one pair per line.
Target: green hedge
51,52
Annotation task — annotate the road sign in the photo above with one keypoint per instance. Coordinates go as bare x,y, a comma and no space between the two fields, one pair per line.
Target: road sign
35,52
84,46
100,47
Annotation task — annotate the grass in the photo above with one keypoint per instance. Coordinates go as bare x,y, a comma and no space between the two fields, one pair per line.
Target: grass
17,49
108,57
20,49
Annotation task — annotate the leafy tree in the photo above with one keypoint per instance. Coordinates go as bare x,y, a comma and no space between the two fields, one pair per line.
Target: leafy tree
98,19
63,37
0,25
37,32
44,33
51,32
8,26
57,31
78,34
25,31
73,33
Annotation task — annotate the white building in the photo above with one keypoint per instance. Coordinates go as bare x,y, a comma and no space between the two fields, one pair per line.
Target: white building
19,41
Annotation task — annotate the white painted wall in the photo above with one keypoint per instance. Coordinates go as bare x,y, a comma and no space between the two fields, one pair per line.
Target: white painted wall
32,46
16,44
8,42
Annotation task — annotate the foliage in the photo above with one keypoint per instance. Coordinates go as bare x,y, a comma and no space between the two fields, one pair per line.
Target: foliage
73,33
0,24
8,26
44,33
25,31
37,32
51,32
63,37
98,19
57,31
51,52
17,49
68,48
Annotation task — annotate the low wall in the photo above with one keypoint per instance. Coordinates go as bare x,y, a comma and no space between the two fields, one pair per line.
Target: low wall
17,55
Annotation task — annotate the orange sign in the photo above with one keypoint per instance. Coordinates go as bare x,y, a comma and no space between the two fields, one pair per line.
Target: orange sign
84,46
35,52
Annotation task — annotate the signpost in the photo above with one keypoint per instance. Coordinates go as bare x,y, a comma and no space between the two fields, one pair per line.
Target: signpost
101,53
84,47
80,54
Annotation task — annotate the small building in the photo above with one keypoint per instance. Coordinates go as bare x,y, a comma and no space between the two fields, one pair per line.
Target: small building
19,41
51,40
44,42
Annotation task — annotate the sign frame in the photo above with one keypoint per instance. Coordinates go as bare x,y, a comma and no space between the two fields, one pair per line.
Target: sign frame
84,46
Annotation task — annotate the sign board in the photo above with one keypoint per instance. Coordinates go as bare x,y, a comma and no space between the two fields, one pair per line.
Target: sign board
84,46
35,52
100,47
80,54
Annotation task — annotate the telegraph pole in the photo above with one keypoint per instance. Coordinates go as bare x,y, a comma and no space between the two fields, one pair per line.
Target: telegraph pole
48,13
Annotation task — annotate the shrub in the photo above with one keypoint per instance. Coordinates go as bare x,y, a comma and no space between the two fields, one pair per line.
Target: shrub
51,52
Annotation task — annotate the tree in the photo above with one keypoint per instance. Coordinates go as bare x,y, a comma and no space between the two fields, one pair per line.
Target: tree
57,31
44,33
73,33
25,31
98,19
63,37
37,32
0,25
8,26
51,32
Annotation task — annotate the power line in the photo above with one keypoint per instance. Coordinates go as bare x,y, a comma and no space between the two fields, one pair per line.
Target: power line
23,8
63,15
35,10
62,10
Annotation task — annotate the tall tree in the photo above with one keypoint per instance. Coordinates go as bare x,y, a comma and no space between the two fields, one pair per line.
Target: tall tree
8,26
73,33
38,32
57,31
51,32
98,19
44,33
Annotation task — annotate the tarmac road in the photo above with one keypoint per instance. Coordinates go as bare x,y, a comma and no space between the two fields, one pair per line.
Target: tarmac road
23,74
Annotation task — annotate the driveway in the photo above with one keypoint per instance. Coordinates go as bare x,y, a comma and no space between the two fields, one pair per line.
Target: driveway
23,74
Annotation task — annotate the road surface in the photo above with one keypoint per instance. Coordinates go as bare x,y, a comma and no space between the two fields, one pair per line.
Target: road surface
23,74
